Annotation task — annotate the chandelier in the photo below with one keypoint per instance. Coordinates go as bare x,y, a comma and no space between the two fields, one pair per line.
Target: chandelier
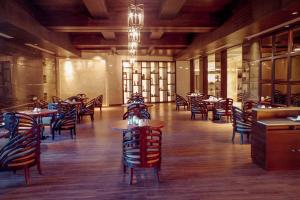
135,24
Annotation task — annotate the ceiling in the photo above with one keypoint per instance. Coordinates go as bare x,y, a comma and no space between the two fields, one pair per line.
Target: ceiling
101,25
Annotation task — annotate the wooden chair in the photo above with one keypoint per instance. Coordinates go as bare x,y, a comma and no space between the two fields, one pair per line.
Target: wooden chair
248,105
99,101
67,121
137,109
242,123
56,99
39,103
198,107
295,100
142,149
10,123
223,108
87,109
22,152
180,101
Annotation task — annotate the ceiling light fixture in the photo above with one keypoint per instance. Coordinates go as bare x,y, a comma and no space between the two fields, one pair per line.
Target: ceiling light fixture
295,13
135,24
6,36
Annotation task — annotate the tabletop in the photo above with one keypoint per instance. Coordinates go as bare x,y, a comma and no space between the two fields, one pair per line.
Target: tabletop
146,104
122,125
211,100
42,112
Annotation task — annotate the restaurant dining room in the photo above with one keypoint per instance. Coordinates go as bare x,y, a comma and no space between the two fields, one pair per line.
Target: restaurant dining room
150,99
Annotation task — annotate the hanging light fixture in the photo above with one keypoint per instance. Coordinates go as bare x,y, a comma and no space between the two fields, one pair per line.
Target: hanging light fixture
136,15
135,24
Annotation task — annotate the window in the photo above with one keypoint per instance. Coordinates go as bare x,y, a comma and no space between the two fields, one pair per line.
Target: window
266,47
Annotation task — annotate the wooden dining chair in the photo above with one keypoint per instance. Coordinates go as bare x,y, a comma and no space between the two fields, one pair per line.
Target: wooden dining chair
180,101
87,109
223,108
56,99
22,152
99,101
242,123
65,122
142,149
198,107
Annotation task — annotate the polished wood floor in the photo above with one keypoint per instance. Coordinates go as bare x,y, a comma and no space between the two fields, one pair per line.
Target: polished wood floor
199,162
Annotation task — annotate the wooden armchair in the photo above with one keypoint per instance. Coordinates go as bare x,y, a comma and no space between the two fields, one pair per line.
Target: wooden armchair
87,109
22,152
139,110
99,101
56,99
142,149
198,107
223,108
242,123
67,121
180,101
248,105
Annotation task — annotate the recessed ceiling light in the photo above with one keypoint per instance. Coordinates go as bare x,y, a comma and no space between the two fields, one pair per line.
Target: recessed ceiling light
286,26
295,13
6,36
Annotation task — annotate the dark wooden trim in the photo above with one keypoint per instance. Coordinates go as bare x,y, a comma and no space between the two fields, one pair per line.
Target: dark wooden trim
205,81
224,74
192,76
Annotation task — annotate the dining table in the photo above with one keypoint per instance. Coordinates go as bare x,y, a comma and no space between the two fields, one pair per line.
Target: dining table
39,114
122,125
146,104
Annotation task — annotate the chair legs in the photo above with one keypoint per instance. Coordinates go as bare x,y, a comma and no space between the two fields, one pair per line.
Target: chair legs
233,136
27,175
131,176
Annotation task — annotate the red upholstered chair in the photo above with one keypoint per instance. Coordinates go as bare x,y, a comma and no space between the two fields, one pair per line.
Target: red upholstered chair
142,149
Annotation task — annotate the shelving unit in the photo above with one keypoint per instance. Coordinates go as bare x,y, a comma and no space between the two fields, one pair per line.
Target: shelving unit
155,80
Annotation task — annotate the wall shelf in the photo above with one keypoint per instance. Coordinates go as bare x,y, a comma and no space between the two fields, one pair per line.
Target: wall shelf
155,80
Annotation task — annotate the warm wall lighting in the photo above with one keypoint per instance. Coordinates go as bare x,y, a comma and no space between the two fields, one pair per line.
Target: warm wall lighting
68,69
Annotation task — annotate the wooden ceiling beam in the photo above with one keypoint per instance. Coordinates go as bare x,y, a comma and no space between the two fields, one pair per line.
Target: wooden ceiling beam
97,8
108,35
239,26
156,35
170,8
124,29
19,21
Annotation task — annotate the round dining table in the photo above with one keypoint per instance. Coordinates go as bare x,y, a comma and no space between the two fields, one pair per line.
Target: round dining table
146,104
122,125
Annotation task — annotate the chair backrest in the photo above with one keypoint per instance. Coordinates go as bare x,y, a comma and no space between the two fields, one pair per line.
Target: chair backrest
90,105
26,122
99,101
11,123
23,150
179,99
248,105
142,147
67,120
226,104
137,109
56,99
81,95
241,118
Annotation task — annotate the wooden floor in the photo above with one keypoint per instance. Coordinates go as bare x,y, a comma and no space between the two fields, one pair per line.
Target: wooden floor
199,162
